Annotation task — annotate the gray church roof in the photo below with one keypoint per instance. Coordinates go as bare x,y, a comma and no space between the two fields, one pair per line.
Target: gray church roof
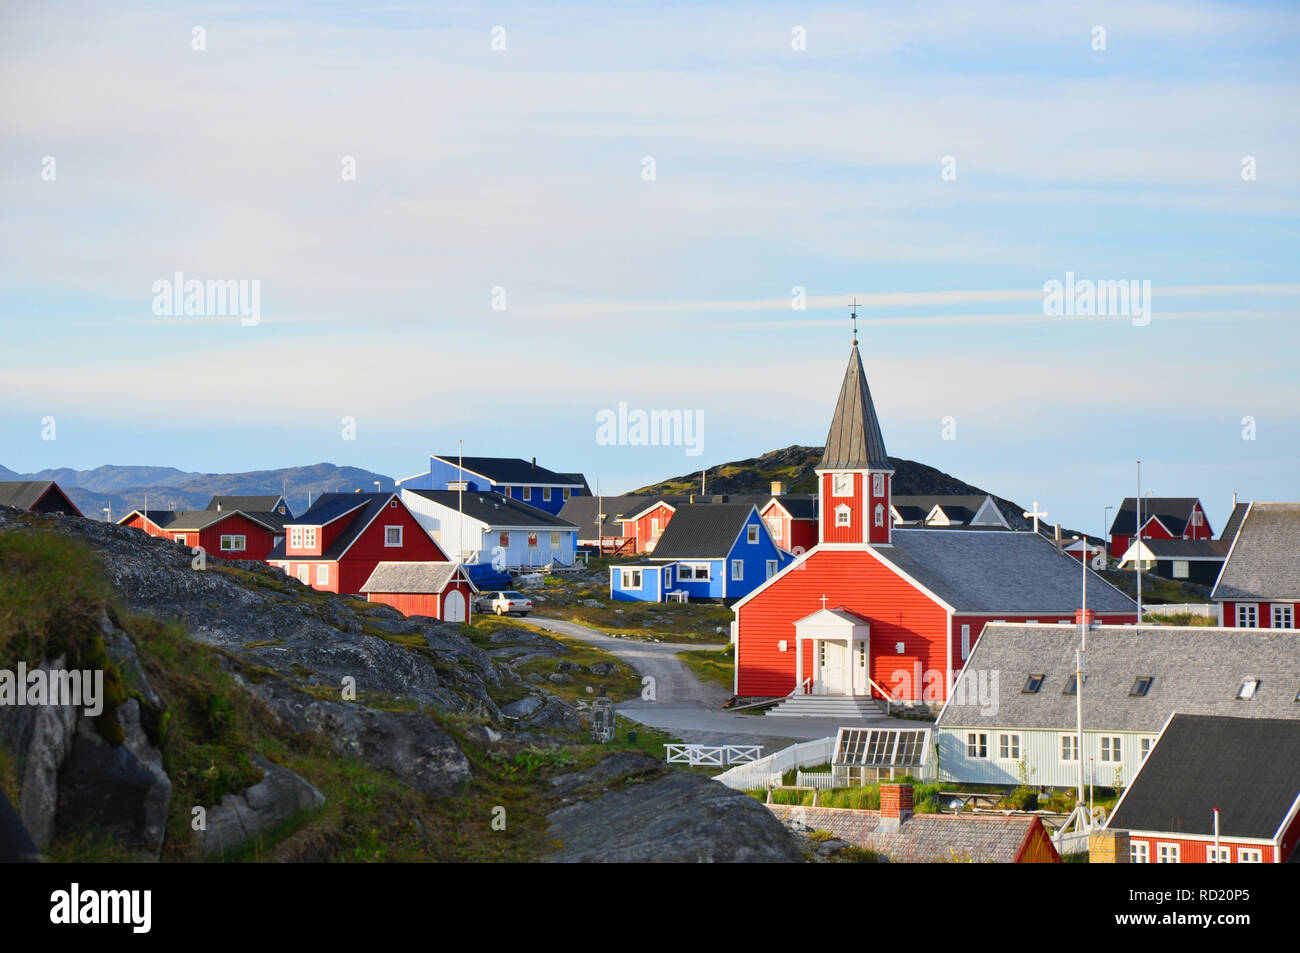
1194,669
855,441
999,571
1264,564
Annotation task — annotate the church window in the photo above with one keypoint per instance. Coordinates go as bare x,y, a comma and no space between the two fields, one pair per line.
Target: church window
877,484
880,514
842,484
843,515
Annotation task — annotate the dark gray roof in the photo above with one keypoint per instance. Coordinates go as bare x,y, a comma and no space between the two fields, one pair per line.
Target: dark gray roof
191,520
800,506
26,494
579,479
994,571
269,503
854,441
1196,669
494,509
422,577
955,506
1172,511
1248,768
702,532
511,471
1264,563
358,508
582,512
1234,522
330,506
160,518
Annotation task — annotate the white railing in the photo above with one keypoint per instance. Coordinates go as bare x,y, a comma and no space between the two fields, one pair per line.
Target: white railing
1207,610
821,780
718,755
805,754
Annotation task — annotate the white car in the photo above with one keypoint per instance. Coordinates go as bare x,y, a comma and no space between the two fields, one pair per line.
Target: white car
504,602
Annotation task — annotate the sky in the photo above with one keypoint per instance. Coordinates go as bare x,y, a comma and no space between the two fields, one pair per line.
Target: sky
495,223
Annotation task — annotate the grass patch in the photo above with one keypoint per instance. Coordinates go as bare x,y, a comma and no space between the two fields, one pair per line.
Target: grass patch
1179,618
713,666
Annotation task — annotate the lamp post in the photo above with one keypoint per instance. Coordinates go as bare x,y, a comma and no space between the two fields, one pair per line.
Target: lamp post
1078,683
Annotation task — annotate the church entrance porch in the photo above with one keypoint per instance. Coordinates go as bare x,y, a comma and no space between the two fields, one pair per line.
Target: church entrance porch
838,645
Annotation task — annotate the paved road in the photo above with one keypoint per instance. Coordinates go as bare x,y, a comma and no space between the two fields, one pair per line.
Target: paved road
685,706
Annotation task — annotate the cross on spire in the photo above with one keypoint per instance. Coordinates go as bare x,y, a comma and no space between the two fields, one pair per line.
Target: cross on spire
1036,514
853,315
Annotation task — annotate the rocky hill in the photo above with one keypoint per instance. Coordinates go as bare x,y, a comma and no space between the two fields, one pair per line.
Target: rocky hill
794,466
251,717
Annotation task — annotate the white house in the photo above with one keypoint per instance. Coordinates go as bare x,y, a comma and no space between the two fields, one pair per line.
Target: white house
488,528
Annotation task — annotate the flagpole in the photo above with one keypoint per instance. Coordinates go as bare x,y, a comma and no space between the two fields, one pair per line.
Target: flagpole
1137,563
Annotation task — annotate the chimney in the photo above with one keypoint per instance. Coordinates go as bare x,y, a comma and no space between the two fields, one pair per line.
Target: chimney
1086,617
692,498
1108,847
1058,537
895,806
778,487
534,463
218,506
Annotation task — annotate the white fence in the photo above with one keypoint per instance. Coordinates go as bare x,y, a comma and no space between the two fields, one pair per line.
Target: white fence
750,777
821,780
713,754
1208,610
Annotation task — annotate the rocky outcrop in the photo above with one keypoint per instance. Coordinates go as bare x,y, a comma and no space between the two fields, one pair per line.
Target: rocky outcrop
40,738
280,797
118,791
407,744
640,812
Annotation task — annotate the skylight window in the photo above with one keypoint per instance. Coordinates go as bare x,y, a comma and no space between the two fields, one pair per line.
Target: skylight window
1141,685
1248,688
1033,683
1072,685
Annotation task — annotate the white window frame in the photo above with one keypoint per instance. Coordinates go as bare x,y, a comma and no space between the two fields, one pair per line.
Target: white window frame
877,484
1009,747
775,530
1139,852
699,572
880,514
1167,853
1182,568
965,641
841,484
1221,855
228,543
629,579
751,534
546,494
977,745
1250,855
182,538
843,515
654,526
532,540
1144,747
302,537
565,492
1070,741
527,493
304,574
1250,610
389,541
771,568
1283,616
1112,749
737,570
1197,518
668,576
557,540
322,574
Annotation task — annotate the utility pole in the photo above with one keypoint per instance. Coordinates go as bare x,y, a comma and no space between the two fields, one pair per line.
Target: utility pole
1137,563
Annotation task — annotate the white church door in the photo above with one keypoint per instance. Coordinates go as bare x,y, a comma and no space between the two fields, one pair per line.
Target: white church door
453,607
830,656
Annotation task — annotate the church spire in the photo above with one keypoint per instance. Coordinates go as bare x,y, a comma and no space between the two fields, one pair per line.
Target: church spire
855,441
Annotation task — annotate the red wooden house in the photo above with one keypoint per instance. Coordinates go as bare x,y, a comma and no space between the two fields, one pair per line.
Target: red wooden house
1259,585
336,545
1215,790
228,534
644,525
792,520
1163,517
875,610
440,590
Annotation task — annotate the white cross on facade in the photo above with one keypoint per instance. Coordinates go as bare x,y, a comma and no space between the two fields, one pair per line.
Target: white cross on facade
823,600
1036,513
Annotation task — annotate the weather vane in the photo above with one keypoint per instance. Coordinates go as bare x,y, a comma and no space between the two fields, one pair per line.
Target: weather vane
854,315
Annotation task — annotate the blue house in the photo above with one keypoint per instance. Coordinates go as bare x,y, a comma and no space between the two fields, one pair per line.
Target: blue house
511,477
718,552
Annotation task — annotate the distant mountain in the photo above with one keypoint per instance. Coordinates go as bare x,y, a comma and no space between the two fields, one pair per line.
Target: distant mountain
124,488
794,466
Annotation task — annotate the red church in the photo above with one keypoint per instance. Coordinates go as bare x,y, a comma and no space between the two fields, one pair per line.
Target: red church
875,610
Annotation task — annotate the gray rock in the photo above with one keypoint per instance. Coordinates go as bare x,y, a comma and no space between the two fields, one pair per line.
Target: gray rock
407,744
603,668
121,790
568,667
594,604
675,817
559,678
241,818
39,738
528,705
